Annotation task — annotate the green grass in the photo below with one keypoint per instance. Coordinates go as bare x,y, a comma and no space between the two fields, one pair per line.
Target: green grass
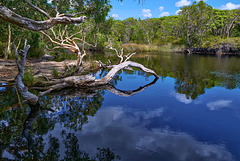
216,42
55,72
132,47
28,77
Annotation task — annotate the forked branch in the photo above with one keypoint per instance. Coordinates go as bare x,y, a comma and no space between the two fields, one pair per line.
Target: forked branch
10,16
119,54
33,99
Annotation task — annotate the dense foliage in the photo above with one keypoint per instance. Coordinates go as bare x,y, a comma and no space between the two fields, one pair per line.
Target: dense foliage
197,25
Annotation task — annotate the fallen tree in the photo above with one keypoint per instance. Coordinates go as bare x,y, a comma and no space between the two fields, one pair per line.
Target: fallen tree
83,81
67,42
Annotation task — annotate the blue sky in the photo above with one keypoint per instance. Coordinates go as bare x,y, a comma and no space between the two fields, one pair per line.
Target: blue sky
160,8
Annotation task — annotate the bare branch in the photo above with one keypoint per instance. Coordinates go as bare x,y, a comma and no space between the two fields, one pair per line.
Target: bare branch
37,9
8,15
75,34
56,47
129,56
75,14
32,99
71,15
84,42
54,34
55,42
116,68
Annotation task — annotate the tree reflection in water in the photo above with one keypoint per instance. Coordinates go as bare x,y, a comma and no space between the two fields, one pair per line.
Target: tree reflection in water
30,138
26,140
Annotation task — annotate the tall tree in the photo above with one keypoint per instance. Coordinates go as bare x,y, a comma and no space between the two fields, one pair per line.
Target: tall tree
196,21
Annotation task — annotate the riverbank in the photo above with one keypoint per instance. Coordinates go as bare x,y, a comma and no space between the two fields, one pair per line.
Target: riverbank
219,46
133,47
37,68
223,50
213,46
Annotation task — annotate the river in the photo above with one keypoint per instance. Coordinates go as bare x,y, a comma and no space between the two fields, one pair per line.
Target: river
192,112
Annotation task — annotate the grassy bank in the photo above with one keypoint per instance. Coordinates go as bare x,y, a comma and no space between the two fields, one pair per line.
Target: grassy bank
132,47
216,42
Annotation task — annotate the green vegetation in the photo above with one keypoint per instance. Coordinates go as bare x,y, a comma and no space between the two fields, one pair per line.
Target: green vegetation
55,73
28,77
197,26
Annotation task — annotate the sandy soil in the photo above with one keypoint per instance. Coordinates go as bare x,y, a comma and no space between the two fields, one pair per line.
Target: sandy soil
40,68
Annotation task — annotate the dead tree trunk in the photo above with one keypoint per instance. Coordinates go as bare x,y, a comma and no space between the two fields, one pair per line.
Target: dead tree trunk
33,99
73,81
8,52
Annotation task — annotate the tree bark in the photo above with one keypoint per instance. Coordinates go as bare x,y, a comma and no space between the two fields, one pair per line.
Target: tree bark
90,81
33,99
9,42
92,91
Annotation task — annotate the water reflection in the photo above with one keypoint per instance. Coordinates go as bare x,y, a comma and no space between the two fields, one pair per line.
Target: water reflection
117,130
216,105
189,115
193,73
112,125
67,111
35,141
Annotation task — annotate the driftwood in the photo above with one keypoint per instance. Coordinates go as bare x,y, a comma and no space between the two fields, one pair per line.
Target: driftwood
92,91
32,98
73,81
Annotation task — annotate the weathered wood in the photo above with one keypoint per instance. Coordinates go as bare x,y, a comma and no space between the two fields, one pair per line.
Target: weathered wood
33,99
85,81
116,69
92,91
10,16
90,81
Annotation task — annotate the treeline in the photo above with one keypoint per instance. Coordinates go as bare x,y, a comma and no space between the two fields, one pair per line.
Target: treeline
196,26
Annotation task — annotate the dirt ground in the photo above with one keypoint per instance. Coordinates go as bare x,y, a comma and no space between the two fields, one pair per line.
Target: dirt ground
40,68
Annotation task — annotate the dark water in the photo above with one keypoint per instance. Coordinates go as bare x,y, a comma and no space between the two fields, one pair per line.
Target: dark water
191,113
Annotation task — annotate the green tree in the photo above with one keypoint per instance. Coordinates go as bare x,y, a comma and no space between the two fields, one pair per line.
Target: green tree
195,21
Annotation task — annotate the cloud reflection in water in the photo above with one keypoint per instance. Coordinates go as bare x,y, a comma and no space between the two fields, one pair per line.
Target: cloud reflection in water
126,132
216,105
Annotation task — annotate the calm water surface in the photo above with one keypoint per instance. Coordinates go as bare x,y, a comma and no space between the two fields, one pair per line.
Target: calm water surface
191,113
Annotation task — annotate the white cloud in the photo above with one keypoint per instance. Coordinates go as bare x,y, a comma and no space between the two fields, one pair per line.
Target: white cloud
230,6
164,14
161,8
182,3
216,105
49,1
146,13
182,98
177,12
115,15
